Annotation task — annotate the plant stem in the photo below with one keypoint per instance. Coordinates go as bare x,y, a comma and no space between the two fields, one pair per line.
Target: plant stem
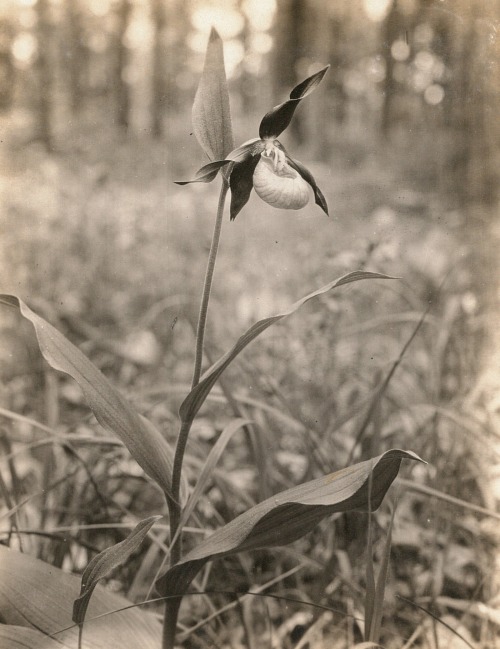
172,605
170,622
212,257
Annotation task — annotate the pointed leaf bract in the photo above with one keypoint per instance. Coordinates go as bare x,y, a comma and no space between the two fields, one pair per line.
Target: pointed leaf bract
211,113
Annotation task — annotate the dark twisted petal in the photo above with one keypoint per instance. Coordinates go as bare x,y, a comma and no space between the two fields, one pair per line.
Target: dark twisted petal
208,172
241,183
309,178
277,119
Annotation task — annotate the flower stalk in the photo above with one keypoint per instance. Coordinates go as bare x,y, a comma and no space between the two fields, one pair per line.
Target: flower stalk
261,164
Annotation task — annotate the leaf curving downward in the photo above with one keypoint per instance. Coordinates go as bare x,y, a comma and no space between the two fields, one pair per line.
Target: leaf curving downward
211,113
291,514
194,400
106,561
145,443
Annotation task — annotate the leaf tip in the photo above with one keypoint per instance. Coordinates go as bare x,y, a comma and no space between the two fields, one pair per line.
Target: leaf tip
214,35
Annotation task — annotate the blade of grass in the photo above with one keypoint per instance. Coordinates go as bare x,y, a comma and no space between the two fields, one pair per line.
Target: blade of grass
385,384
208,467
370,573
381,582
437,619
434,493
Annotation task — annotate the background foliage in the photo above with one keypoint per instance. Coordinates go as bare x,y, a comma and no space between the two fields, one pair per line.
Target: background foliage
403,138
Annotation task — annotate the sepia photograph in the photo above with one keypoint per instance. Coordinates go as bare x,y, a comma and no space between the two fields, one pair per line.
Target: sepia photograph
249,324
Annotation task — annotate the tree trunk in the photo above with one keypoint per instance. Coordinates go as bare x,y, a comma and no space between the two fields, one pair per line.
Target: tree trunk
390,33
121,59
158,89
7,68
75,53
44,107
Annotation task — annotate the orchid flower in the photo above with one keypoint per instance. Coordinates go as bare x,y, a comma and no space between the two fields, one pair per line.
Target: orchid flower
264,165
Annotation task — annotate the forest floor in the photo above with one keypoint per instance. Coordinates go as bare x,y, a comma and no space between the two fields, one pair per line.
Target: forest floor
101,240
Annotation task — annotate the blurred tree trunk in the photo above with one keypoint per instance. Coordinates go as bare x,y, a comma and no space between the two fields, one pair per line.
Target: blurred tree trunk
44,107
475,94
158,90
120,54
246,80
76,54
390,33
7,68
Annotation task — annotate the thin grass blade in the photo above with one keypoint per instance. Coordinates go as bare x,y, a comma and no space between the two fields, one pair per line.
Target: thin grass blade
370,573
381,582
207,470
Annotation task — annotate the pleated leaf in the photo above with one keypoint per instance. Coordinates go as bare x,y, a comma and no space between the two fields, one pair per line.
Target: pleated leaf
36,595
291,514
194,400
105,562
19,637
211,113
145,443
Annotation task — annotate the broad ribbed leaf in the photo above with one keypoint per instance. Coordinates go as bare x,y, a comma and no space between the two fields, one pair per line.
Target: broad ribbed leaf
291,514
106,561
146,445
19,637
197,396
277,119
36,595
211,113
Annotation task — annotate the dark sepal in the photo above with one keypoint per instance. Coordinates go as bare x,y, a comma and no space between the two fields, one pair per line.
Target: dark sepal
206,174
277,119
241,184
309,178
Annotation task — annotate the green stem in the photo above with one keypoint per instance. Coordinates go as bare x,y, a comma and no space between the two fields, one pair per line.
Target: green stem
212,257
172,605
170,622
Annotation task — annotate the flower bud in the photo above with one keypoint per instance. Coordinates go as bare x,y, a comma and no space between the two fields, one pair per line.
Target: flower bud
280,185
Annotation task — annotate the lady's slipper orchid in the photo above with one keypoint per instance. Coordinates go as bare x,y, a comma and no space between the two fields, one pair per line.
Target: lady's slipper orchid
263,164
